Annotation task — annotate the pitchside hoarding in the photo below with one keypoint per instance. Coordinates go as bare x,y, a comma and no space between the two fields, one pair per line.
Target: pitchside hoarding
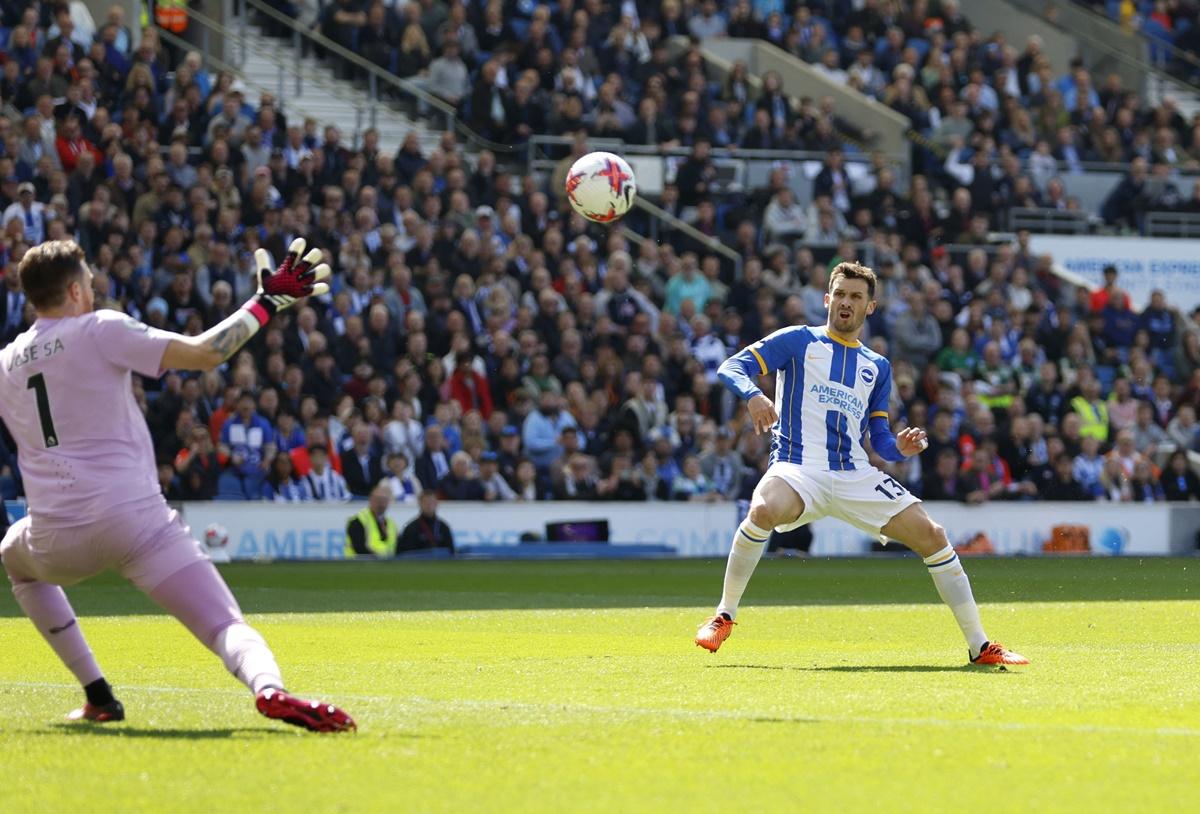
317,531
1144,264
262,531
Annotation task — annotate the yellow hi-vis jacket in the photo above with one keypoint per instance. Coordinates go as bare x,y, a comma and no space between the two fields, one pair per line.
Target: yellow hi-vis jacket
1093,418
377,544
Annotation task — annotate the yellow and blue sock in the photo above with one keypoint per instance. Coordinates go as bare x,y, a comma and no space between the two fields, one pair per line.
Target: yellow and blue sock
955,590
748,545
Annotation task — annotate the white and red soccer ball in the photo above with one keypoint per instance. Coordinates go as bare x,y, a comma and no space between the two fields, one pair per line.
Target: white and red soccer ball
601,187
216,536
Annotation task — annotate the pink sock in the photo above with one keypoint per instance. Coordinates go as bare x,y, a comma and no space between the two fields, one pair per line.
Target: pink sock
200,599
47,607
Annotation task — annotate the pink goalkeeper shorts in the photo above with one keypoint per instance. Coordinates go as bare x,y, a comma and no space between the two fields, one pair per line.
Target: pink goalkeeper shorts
145,542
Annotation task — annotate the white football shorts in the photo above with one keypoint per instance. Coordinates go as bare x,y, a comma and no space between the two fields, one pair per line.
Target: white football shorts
865,498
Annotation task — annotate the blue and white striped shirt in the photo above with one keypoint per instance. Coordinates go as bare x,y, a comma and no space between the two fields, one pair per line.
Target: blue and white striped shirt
827,392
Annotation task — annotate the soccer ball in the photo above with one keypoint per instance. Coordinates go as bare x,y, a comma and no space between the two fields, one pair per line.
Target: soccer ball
601,187
216,536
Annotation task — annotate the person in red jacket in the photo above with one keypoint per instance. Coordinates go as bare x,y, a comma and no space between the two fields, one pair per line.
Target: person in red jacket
470,389
70,143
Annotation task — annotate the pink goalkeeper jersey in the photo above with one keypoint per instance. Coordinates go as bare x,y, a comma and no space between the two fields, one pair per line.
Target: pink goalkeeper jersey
66,396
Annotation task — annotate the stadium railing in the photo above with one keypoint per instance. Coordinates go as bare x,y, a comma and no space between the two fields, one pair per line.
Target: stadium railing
1051,221
1173,224
881,127
749,168
302,40
295,101
1104,45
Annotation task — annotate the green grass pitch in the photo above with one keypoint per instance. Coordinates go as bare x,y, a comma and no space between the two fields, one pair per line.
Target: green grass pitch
574,686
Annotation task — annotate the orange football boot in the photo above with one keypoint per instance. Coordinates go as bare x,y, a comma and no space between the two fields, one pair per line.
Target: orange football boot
714,632
997,655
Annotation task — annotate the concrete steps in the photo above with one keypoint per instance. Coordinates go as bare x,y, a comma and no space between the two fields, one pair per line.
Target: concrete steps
270,66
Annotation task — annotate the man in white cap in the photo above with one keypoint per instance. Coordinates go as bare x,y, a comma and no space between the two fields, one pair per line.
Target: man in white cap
31,212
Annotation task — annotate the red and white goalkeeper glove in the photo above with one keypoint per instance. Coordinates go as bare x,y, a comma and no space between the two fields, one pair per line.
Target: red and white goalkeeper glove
297,277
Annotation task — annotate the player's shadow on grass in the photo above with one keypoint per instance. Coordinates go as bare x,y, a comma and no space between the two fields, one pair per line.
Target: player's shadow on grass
167,733
856,668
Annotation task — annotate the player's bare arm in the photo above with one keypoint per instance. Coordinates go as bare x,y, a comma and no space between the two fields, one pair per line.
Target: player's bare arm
300,275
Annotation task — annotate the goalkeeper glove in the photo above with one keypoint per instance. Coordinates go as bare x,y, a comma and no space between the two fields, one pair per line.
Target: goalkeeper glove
297,277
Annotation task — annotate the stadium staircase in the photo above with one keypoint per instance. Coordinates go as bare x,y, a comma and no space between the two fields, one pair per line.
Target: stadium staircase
304,84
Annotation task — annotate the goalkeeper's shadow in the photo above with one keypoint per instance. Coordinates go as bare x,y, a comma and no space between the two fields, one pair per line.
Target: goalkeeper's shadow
165,733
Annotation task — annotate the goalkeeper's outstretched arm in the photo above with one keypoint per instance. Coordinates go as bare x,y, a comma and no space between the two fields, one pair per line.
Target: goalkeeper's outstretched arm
297,277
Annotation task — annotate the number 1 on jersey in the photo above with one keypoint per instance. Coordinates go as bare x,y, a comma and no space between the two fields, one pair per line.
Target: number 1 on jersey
37,383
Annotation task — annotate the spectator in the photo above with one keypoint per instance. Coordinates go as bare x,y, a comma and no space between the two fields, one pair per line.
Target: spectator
623,481
1179,481
576,478
32,214
426,530
722,466
692,485
197,467
434,463
1091,409
784,219
542,429
362,463
1064,485
461,482
448,76
687,284
945,482
1144,486
1182,429
495,487
697,175
1113,484
403,483
324,483
1089,466
525,482
403,434
247,443
917,335
469,388
281,484
1128,200
708,23
370,533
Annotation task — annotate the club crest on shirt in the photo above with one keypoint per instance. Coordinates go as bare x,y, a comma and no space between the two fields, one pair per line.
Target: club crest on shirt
867,374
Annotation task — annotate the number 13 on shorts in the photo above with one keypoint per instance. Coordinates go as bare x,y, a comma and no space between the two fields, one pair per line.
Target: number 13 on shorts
890,489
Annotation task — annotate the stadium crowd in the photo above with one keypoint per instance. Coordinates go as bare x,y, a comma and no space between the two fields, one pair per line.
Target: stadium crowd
484,342
1001,121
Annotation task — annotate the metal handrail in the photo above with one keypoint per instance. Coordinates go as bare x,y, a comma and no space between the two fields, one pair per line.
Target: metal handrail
709,242
755,83
1037,8
226,67
1175,51
1172,224
716,152
375,74
241,39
